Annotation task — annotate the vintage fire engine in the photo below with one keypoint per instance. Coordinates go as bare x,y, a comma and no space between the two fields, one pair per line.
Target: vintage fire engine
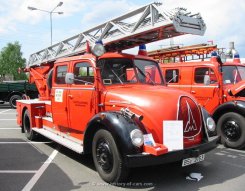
116,106
219,87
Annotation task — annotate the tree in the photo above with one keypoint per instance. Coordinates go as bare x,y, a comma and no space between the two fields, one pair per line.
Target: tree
11,59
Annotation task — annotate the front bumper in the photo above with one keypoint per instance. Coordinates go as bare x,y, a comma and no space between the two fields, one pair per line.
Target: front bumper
140,160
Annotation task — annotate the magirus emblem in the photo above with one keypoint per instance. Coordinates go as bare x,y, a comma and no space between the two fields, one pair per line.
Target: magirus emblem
191,123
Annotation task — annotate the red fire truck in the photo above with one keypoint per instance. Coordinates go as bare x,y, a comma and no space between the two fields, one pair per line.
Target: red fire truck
219,87
116,106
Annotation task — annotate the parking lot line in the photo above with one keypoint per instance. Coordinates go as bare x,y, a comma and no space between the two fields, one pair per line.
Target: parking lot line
17,171
39,173
31,142
7,119
5,111
9,128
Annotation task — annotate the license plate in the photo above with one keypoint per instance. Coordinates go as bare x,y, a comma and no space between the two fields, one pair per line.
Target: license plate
193,160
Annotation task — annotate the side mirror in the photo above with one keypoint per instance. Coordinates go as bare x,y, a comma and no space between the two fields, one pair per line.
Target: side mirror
69,79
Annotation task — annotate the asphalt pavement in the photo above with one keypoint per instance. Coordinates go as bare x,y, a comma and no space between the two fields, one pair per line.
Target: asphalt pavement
44,165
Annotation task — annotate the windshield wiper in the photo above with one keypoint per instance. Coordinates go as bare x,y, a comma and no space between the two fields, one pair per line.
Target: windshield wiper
145,75
117,76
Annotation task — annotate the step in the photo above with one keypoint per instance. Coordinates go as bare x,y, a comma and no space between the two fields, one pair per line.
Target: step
60,139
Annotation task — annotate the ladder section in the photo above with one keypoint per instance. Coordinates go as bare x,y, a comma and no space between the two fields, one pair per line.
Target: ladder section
144,25
185,53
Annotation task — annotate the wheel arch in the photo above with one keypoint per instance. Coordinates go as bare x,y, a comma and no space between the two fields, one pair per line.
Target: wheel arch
15,93
119,127
232,106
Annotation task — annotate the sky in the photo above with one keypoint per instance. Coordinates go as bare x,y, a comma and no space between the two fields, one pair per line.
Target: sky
224,21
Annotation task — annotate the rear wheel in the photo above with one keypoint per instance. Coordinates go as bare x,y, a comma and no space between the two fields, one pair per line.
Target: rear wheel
107,159
13,99
29,133
231,128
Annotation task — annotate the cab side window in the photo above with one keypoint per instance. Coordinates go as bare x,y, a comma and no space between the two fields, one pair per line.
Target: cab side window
60,74
204,73
172,75
83,73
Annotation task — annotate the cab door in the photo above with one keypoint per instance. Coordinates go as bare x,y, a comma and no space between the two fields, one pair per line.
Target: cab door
207,94
59,97
81,98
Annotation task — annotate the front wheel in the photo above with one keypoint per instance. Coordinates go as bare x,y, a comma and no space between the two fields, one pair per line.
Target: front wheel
231,128
13,99
29,133
107,159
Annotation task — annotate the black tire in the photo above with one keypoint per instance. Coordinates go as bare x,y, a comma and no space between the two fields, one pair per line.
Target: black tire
12,100
107,159
29,133
231,128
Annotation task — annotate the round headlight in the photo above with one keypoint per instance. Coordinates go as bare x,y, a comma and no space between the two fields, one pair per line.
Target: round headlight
211,124
137,137
98,49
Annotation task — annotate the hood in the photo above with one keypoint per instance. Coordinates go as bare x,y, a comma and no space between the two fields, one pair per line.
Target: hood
157,104
237,89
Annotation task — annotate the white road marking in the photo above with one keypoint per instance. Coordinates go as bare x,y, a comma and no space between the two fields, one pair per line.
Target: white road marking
5,111
17,171
39,173
24,142
9,128
7,119
238,151
232,164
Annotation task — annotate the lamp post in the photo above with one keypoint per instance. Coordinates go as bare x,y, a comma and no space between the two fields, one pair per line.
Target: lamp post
50,16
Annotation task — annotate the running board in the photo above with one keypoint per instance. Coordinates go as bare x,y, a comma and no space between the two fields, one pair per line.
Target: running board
59,139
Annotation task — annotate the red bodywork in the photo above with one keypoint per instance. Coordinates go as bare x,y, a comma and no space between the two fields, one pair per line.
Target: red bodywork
68,109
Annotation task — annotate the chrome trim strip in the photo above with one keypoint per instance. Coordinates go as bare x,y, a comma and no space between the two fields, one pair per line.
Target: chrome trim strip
190,86
72,88
119,101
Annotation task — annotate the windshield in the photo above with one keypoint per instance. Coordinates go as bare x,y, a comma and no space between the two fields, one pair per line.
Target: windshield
233,74
127,71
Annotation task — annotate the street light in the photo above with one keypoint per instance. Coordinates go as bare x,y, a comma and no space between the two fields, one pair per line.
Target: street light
50,15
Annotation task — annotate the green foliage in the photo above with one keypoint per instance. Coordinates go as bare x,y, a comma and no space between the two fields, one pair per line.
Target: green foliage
11,59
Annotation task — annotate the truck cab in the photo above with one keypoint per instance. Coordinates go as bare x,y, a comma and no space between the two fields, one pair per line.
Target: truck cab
219,88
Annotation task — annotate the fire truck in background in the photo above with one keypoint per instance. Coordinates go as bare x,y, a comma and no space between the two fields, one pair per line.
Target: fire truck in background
219,86
116,106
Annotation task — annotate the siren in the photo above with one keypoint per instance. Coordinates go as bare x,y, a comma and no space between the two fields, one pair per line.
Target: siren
236,55
236,58
142,50
214,54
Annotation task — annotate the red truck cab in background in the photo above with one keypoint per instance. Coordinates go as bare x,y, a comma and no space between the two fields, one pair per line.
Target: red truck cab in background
218,87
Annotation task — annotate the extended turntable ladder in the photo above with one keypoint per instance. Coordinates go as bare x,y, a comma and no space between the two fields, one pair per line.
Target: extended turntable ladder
144,25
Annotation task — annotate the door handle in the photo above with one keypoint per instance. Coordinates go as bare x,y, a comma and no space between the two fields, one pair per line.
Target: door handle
193,92
70,96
